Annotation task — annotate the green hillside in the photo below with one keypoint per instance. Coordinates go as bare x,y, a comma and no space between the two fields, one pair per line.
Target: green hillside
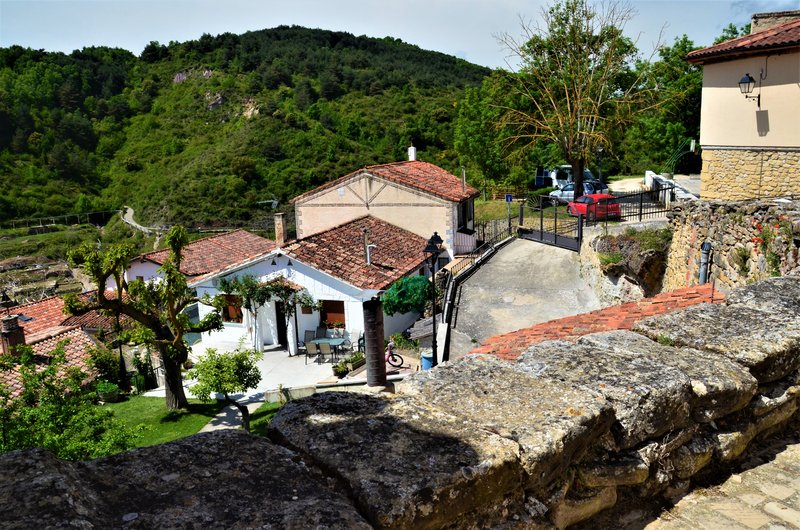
201,132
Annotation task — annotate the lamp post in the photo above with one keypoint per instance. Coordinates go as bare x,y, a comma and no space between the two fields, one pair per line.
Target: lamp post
432,250
600,161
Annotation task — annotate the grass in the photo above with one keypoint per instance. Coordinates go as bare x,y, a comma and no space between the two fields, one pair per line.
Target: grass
53,245
490,210
161,426
259,420
651,238
610,258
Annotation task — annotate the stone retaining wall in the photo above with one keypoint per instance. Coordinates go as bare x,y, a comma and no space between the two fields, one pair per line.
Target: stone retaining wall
751,240
735,174
566,431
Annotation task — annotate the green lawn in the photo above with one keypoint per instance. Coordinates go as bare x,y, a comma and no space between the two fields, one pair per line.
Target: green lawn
259,420
161,426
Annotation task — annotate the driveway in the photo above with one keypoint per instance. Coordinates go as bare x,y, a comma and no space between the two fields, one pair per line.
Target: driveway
525,283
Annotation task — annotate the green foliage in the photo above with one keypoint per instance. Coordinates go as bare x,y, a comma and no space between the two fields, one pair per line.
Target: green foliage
665,340
262,417
106,362
57,412
199,132
225,373
403,343
651,238
145,378
610,258
741,259
407,294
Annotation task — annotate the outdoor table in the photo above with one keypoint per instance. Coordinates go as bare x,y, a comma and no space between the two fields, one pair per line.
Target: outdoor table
335,342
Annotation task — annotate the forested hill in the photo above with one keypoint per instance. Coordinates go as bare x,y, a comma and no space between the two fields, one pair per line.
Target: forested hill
201,132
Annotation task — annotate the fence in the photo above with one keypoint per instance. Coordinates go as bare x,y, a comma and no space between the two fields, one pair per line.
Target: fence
640,205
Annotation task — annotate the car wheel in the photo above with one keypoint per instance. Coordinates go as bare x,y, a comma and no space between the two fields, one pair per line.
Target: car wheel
571,211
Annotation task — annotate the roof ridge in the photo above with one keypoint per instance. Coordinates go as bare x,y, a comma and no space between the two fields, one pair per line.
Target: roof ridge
337,227
27,304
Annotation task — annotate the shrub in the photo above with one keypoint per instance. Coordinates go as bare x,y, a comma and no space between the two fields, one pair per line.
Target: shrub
106,363
610,258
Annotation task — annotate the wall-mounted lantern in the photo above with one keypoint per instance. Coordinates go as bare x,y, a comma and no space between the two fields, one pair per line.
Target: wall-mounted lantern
746,86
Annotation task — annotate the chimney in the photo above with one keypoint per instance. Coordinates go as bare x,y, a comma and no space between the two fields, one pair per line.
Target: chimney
463,179
762,21
412,153
280,229
368,247
11,334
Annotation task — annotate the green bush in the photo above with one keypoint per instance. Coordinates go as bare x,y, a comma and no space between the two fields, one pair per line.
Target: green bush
106,363
610,258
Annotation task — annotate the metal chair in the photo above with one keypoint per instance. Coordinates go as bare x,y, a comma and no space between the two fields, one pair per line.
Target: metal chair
308,336
312,349
326,349
322,332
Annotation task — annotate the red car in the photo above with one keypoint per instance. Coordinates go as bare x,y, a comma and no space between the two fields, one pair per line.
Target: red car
595,206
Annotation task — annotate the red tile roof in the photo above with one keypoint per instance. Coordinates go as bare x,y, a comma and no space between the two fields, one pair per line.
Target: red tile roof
75,350
511,345
339,252
775,38
216,253
47,315
415,174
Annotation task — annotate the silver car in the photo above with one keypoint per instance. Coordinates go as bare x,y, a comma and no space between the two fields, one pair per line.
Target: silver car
567,193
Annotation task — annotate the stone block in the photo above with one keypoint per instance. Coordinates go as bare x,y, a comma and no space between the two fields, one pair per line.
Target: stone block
573,510
768,345
649,399
406,464
553,422
688,459
733,440
624,469
778,295
719,385
222,479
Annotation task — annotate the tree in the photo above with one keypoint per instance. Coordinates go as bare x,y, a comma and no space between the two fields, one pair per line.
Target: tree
56,410
731,32
407,294
157,306
575,81
226,374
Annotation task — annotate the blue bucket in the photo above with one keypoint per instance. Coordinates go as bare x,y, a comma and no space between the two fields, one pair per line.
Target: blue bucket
427,361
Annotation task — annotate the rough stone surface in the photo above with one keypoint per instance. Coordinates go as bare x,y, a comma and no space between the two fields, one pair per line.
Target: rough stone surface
778,295
751,241
735,174
719,385
224,479
553,422
407,465
766,344
649,399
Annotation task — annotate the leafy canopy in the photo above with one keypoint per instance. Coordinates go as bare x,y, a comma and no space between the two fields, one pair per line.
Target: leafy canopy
407,294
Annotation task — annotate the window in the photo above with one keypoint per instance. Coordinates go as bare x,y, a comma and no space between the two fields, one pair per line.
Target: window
232,312
465,214
332,311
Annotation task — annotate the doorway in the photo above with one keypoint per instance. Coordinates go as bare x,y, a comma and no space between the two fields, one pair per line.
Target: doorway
280,323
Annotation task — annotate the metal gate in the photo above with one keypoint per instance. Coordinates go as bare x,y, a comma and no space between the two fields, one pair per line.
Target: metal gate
542,222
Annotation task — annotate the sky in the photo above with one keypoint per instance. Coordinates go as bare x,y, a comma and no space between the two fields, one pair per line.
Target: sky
464,28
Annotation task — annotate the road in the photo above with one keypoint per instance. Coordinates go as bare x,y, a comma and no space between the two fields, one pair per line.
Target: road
525,283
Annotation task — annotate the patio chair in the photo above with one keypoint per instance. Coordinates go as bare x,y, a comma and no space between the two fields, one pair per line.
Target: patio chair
322,332
312,350
362,345
326,349
308,336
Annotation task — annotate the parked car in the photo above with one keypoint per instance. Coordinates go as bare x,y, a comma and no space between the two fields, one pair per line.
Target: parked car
562,175
567,193
595,206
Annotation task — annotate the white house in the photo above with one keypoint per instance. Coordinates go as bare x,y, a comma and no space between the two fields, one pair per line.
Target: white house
341,268
417,196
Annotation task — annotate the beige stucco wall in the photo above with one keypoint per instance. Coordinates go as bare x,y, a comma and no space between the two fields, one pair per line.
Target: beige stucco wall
727,119
732,174
414,211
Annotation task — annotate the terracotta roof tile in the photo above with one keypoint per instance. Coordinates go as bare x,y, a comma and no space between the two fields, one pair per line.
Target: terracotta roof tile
48,314
511,345
75,350
782,36
339,252
416,174
216,253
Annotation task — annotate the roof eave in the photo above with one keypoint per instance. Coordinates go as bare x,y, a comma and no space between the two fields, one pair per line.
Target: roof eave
730,55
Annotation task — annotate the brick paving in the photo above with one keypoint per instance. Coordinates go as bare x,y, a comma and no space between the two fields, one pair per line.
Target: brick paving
511,345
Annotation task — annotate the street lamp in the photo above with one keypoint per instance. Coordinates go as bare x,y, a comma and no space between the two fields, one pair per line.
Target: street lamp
746,86
600,161
432,250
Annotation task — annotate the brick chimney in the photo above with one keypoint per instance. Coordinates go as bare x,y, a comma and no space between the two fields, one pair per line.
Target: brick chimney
11,334
762,21
280,229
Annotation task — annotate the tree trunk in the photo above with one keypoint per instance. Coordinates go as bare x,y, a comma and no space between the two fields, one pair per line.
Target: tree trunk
242,410
577,177
173,383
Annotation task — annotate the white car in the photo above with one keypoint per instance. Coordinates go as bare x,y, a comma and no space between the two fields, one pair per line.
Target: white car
562,175
567,193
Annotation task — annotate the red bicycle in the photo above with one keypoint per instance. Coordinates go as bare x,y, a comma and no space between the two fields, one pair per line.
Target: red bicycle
394,359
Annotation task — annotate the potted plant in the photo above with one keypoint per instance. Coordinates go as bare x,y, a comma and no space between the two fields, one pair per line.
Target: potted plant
340,369
107,392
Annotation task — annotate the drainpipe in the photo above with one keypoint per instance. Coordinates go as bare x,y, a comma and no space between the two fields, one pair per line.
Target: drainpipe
705,253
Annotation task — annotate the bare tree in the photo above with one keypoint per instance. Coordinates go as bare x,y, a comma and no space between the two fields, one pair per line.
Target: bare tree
575,80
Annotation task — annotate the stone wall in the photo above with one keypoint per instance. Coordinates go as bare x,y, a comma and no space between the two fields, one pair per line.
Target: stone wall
734,174
751,240
565,432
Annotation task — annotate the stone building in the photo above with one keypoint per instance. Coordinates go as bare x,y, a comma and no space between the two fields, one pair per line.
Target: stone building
751,142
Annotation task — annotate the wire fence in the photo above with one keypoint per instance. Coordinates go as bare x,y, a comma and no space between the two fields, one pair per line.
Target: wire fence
93,218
